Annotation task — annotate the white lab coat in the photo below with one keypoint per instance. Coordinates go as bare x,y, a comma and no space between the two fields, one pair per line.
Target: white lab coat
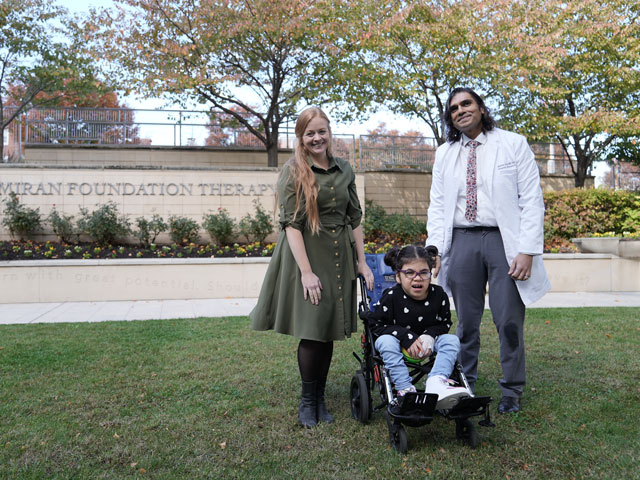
517,201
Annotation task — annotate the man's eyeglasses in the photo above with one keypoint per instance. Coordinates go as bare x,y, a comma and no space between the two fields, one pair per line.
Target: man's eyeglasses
413,274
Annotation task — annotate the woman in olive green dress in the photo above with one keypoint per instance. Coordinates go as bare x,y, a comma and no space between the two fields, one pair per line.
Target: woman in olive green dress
309,290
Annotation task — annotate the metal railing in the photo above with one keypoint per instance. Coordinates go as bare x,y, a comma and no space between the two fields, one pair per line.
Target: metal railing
386,152
120,126
390,151
194,128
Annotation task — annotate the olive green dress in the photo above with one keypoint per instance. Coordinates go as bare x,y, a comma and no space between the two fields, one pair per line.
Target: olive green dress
332,255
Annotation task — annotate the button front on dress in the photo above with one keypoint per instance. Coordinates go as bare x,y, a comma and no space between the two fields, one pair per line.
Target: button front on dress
281,305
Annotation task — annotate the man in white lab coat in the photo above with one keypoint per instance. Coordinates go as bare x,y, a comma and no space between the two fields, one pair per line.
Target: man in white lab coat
486,217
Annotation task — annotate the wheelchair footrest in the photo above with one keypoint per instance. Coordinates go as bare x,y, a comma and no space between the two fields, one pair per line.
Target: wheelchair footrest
469,407
415,407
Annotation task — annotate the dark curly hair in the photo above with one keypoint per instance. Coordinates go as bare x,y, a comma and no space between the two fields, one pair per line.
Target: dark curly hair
488,123
397,257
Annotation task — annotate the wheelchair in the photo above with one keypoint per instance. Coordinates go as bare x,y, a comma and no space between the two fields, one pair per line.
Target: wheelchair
419,408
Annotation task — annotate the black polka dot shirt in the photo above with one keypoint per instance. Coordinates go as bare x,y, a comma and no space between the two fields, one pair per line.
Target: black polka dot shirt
403,317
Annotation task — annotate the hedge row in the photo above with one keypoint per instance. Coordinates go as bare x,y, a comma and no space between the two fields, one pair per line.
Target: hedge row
594,212
569,214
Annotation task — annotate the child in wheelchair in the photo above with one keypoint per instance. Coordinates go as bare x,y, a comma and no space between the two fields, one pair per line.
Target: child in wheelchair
411,321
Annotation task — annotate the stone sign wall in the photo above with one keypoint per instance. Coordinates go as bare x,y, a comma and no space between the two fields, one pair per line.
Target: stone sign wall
183,182
141,193
144,192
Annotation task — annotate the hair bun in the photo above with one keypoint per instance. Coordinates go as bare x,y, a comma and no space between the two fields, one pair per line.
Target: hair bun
432,251
391,257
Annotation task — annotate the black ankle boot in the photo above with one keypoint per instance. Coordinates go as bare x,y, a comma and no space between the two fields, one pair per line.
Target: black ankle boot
307,412
323,414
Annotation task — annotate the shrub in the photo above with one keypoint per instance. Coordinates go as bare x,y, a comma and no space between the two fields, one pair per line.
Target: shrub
220,226
104,224
374,224
244,227
402,227
183,230
631,218
405,227
62,225
21,221
148,230
256,228
580,213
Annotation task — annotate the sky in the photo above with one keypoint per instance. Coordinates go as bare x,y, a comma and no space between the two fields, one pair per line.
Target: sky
361,127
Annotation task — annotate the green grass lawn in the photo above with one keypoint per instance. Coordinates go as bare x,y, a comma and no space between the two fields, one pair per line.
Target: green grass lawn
209,398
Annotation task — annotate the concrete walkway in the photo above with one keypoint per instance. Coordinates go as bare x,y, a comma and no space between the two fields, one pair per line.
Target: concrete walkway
12,313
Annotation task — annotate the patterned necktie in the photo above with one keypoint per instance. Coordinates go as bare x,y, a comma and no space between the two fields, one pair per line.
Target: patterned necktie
472,186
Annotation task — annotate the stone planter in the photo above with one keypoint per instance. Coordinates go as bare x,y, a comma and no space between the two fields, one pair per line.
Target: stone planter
629,247
622,247
192,278
133,279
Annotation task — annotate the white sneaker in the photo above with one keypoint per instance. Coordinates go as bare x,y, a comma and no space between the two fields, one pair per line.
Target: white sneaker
448,396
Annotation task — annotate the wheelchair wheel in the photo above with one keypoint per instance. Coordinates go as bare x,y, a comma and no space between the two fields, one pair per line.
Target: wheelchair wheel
360,399
397,436
466,431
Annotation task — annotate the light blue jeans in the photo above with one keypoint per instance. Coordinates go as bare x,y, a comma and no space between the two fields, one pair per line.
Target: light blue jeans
446,346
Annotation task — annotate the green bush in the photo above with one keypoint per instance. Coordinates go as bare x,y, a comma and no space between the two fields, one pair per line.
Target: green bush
21,221
62,225
580,213
220,226
631,218
374,224
403,227
104,224
183,230
256,228
148,230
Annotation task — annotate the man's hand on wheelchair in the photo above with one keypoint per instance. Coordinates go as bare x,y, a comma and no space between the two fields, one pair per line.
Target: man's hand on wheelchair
436,269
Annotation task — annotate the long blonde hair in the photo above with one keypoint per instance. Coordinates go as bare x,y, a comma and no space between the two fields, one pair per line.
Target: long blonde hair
303,177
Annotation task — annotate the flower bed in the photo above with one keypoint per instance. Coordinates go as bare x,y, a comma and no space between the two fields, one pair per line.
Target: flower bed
32,250
29,250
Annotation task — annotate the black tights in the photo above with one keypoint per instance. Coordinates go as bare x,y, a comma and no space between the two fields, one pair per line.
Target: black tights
314,359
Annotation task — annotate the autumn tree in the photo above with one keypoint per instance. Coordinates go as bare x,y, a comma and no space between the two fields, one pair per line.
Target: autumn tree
414,53
39,54
571,74
224,129
382,130
276,54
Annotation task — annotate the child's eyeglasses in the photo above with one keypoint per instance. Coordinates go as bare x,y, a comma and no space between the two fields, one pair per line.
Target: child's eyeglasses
413,274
